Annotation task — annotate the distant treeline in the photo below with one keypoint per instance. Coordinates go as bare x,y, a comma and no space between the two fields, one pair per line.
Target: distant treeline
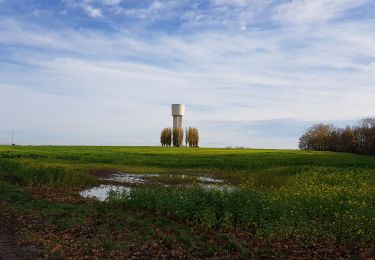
359,138
175,136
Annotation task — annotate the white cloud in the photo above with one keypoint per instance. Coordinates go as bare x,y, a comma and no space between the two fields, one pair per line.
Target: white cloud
241,3
93,12
111,2
302,12
232,14
156,10
86,6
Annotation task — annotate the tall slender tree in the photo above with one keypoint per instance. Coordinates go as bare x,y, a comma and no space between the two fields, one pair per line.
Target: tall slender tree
166,137
192,137
178,137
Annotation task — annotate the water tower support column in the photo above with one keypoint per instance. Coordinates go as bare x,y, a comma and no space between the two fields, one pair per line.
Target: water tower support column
178,112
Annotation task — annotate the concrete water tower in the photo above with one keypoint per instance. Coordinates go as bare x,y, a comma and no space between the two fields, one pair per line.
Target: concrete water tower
178,111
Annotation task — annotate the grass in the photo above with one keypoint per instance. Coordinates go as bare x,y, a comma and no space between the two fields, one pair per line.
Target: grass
319,204
305,198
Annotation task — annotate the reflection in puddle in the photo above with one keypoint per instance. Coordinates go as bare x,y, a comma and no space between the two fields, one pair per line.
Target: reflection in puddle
199,178
102,192
208,179
182,176
217,187
130,178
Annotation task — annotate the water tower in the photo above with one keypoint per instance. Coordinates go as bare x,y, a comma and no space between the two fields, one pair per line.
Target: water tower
178,111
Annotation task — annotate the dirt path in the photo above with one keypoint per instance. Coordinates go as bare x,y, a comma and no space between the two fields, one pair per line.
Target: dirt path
9,249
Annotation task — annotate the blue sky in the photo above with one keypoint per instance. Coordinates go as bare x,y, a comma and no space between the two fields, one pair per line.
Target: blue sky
252,73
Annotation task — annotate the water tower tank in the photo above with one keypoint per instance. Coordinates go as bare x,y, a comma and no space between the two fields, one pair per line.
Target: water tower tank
178,112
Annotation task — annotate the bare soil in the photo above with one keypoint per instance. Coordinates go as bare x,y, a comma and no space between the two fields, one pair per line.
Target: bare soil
10,248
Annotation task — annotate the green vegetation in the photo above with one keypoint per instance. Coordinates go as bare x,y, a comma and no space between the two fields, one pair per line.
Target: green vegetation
319,204
273,200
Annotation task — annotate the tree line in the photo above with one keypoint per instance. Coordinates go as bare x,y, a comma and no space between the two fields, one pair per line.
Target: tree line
359,138
176,136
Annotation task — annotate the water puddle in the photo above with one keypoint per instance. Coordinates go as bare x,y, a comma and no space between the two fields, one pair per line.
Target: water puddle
181,176
130,178
102,192
203,179
142,178
217,187
209,180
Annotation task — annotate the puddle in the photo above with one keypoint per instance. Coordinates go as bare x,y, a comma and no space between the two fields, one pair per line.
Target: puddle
217,187
102,192
208,179
164,180
142,178
130,178
182,176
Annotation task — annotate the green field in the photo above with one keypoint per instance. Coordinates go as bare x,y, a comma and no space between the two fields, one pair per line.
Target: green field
281,203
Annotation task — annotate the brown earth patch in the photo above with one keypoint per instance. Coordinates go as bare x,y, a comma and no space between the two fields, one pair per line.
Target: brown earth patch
103,172
63,195
10,246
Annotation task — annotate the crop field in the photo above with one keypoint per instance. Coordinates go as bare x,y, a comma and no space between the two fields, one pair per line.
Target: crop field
121,202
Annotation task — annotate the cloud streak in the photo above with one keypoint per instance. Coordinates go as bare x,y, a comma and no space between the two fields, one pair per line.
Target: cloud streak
301,12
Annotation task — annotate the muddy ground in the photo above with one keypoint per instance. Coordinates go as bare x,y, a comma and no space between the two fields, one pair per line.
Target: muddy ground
10,248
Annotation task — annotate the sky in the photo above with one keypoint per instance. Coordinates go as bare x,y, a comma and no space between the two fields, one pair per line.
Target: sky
252,73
